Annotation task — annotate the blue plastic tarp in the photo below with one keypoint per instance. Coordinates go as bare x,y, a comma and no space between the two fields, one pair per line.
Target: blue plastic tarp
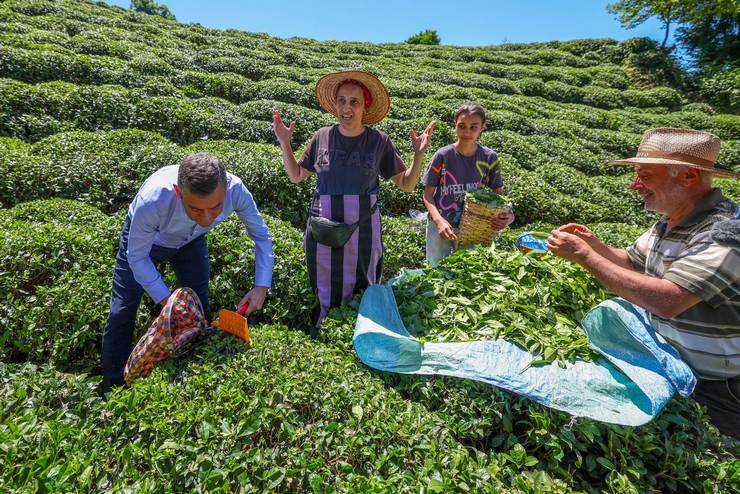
636,376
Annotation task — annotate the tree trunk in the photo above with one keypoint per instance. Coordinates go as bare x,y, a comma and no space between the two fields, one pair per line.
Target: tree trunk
667,29
667,22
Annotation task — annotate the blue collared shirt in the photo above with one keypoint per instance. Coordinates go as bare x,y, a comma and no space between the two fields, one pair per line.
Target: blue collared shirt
158,217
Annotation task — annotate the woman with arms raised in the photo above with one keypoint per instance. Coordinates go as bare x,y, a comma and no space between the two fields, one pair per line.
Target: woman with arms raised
344,250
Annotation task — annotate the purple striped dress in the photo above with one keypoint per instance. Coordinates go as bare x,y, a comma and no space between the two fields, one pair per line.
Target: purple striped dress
348,171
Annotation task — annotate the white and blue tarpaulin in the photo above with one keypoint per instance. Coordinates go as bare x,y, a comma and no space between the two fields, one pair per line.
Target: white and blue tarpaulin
636,375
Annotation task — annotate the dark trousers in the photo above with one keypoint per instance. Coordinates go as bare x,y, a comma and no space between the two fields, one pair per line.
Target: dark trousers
192,268
722,399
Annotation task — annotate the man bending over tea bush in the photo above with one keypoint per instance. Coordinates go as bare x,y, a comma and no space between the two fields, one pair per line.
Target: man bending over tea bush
685,270
167,222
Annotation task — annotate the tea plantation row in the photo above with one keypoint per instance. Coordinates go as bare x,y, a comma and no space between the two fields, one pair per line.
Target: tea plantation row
106,168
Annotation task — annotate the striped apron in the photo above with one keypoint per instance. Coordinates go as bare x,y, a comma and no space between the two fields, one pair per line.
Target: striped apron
337,273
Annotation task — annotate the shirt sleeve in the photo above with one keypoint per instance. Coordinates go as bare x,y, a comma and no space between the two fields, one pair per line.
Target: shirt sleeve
250,216
432,175
637,252
391,163
707,269
142,229
308,158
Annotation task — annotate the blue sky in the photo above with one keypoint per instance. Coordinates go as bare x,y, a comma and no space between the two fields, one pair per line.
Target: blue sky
464,22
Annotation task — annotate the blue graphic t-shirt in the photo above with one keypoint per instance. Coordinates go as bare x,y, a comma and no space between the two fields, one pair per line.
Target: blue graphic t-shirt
454,174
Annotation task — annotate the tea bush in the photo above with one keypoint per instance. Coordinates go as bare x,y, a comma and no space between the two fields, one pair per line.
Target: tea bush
285,414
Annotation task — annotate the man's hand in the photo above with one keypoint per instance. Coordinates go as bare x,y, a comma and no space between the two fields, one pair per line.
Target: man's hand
569,246
582,232
504,219
256,298
445,229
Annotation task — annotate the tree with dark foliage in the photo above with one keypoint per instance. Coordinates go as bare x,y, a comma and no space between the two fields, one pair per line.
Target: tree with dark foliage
152,8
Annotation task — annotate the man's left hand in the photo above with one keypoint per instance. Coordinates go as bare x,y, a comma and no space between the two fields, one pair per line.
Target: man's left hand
568,246
256,298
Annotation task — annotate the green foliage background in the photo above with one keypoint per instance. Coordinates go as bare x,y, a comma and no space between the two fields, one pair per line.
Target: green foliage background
94,98
428,37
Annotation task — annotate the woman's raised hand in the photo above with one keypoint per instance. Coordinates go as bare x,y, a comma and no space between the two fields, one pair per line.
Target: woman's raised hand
283,133
422,142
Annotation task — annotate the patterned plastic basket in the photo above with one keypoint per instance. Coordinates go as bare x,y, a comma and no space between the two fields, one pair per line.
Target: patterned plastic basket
475,224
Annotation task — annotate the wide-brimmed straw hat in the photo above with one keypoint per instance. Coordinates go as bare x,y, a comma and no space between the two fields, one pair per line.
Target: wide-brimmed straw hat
327,86
669,146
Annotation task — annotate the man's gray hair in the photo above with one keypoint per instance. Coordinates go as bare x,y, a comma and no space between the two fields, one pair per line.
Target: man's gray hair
675,170
201,174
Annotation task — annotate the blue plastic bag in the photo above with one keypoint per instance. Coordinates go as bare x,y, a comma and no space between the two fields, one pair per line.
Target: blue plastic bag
532,242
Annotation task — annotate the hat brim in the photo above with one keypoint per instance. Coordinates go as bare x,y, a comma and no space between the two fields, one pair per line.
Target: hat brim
326,91
665,161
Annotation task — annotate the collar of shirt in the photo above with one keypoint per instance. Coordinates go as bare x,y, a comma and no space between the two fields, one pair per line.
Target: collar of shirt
697,214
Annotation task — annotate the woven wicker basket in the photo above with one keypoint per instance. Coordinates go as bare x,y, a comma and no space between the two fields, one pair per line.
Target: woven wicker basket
475,224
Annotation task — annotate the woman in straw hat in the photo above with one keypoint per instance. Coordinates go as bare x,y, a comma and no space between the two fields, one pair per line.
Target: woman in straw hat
344,250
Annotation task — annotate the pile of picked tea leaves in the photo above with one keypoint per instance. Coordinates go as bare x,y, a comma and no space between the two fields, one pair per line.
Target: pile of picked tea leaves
489,198
535,302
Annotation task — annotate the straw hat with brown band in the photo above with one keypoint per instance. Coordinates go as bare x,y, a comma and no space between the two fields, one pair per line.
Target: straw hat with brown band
376,108
669,146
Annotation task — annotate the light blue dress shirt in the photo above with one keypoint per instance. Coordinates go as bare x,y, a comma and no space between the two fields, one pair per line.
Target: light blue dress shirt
158,217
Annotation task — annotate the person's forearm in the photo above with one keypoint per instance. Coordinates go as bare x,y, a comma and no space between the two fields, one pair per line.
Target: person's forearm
146,275
140,240
264,261
661,297
292,168
264,255
411,177
434,215
617,256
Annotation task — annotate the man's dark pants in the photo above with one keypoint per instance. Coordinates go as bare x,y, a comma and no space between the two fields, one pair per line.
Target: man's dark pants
192,268
722,399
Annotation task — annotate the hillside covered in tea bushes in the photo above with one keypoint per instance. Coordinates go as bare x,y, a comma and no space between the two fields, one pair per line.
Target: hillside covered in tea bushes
94,98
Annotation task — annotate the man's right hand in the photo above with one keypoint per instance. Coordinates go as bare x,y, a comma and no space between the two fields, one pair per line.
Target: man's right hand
582,232
617,256
569,246
445,229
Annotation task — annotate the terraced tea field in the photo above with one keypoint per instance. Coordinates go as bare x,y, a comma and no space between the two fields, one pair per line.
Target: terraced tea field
94,98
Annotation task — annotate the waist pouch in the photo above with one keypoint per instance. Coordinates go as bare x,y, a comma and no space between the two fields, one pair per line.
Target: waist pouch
334,233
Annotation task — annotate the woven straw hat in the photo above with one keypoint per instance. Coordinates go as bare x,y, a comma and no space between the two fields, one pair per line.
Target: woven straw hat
669,146
326,92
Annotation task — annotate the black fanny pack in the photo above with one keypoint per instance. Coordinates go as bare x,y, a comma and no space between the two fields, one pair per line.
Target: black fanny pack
333,233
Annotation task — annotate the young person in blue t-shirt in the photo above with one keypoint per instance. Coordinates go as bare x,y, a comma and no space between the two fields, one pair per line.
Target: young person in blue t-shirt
455,169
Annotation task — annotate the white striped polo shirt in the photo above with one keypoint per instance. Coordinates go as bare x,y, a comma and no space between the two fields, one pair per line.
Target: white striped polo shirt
706,335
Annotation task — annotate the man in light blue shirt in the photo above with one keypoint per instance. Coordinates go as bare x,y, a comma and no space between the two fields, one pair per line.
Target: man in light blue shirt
167,222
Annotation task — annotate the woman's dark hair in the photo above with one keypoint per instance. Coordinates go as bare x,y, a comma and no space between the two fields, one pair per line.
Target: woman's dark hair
471,109
201,174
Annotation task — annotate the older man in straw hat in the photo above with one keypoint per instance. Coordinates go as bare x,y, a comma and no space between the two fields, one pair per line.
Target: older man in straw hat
685,270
